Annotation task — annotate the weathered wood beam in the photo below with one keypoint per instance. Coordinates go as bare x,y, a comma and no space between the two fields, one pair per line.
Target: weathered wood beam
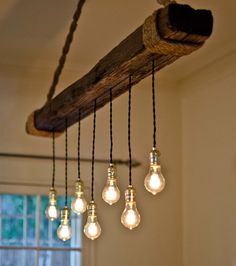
170,33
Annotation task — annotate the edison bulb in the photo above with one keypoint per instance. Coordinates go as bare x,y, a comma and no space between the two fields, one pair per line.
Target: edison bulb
64,230
154,181
111,192
130,217
79,203
92,228
52,211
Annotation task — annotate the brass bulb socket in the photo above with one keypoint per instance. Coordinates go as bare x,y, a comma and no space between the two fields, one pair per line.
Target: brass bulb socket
111,171
92,209
154,156
52,196
130,194
79,186
65,214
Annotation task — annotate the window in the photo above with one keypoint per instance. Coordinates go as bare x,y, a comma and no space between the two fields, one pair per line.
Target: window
28,239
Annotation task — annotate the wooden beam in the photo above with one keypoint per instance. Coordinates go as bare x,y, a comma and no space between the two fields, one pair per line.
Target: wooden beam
170,33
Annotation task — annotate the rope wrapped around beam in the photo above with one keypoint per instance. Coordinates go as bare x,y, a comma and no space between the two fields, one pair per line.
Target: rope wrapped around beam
155,43
168,34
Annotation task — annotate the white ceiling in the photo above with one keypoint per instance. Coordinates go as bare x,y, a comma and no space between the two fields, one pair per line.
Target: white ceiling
33,32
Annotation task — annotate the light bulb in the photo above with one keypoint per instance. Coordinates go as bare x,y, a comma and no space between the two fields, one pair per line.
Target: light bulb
130,217
64,230
52,212
92,228
111,192
154,181
79,203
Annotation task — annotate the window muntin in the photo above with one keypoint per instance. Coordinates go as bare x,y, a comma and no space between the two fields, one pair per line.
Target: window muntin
27,236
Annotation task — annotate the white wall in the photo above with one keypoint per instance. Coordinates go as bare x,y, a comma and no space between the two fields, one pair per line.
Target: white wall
209,165
158,240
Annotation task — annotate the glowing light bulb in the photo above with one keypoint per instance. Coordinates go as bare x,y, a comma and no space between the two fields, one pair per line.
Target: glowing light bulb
52,212
92,228
111,192
154,181
130,217
79,203
64,230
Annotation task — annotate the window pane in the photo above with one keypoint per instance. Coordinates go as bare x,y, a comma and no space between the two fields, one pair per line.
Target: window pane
30,258
44,223
59,258
12,231
31,206
17,257
12,205
31,232
18,220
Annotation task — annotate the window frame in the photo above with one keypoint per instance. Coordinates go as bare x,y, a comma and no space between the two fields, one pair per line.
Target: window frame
77,252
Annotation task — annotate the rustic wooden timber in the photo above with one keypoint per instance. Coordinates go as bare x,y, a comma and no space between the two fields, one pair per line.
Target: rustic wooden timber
170,33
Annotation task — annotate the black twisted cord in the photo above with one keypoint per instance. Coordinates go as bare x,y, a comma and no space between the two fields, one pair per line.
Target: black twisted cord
153,103
129,133
111,136
66,163
93,149
65,50
79,119
53,159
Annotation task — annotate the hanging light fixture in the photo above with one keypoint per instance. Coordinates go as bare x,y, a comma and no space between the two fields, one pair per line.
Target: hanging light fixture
64,230
154,182
92,228
52,211
79,203
111,192
130,217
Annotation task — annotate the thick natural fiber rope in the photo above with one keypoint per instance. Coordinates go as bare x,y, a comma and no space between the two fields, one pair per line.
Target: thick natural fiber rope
30,124
65,50
156,44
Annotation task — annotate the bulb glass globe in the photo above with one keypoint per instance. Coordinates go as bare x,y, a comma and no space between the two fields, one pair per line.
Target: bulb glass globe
64,231
111,192
130,217
79,203
92,228
154,181
52,211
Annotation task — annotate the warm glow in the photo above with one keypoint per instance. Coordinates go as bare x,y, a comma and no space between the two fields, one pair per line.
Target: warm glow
79,205
130,217
64,232
92,230
154,181
52,212
111,194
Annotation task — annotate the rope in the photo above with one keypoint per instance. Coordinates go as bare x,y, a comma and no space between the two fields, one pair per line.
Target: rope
129,133
93,149
66,163
53,158
111,136
65,50
165,2
79,144
154,42
153,103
